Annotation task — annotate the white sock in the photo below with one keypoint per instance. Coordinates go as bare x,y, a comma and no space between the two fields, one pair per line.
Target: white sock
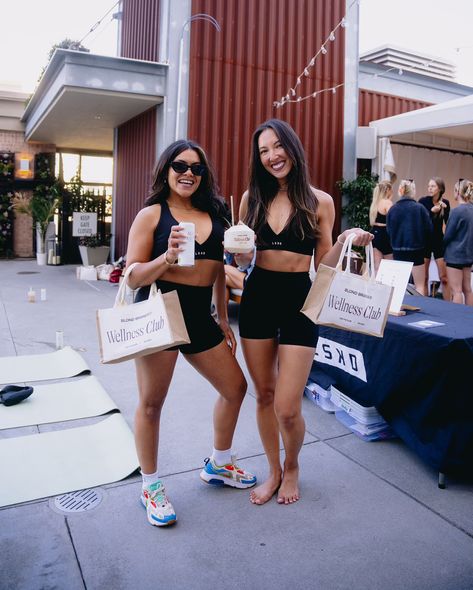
149,478
222,457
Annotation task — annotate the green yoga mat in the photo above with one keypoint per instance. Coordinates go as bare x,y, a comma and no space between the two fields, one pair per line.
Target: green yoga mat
52,463
41,367
58,402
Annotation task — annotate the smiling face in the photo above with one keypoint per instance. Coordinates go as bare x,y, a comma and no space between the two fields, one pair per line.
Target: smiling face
433,188
273,156
184,184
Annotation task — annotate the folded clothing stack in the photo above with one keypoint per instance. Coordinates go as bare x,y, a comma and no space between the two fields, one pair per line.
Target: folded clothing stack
366,423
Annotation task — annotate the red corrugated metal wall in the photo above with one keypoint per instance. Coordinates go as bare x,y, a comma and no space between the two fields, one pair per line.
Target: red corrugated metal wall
140,29
377,105
134,164
235,76
136,139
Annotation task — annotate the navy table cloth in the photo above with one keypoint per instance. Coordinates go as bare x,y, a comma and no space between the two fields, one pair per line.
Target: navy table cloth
420,380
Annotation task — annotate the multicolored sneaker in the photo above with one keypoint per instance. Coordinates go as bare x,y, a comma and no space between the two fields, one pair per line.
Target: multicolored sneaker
227,475
158,508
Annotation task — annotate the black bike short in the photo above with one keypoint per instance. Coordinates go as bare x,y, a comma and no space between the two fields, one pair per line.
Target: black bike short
270,308
415,256
436,248
381,240
203,330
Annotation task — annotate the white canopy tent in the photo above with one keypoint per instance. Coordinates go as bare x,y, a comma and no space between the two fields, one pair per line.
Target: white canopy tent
451,119
434,141
428,142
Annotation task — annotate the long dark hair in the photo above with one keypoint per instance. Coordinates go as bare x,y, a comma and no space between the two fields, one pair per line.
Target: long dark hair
205,198
263,186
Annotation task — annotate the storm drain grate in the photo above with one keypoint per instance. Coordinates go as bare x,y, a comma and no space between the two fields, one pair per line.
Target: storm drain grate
28,272
79,501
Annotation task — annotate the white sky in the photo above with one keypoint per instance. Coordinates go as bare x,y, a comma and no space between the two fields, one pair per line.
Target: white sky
434,27
31,27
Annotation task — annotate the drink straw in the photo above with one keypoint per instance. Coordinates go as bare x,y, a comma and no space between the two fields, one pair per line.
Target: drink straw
231,207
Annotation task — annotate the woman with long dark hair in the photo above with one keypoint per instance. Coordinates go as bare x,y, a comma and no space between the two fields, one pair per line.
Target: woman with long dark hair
438,209
184,190
293,222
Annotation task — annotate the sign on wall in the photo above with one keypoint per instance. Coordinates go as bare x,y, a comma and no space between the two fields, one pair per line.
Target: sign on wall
84,224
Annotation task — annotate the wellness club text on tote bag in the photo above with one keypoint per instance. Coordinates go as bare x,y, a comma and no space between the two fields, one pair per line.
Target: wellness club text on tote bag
129,331
341,299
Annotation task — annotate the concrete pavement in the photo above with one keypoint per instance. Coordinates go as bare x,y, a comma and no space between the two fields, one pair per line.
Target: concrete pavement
370,516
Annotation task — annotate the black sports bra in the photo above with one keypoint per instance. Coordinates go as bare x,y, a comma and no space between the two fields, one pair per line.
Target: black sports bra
211,249
380,218
284,240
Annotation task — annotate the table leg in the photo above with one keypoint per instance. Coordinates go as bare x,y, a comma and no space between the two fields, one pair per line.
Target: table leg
441,484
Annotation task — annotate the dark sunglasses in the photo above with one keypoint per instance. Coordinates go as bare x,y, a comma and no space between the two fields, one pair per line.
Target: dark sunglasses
182,167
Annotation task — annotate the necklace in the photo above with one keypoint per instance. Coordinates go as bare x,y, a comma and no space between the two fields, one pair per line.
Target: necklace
182,208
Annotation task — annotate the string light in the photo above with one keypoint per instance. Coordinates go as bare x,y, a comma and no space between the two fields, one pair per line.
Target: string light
289,96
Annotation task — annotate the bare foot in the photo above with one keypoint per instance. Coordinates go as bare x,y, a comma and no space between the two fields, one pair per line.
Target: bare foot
266,490
289,490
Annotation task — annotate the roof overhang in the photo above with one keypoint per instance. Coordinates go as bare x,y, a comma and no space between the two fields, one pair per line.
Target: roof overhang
82,98
448,125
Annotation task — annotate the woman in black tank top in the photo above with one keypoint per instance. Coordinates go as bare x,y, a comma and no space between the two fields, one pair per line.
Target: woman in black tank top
380,205
293,222
184,190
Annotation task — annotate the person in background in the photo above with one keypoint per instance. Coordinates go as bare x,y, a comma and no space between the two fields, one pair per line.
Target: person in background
439,209
380,205
458,242
409,228
236,276
184,190
292,221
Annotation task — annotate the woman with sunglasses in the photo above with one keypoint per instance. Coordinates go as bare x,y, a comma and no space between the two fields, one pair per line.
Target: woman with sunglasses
293,222
184,190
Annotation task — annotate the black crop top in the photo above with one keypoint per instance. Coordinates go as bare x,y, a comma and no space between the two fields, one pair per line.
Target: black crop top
284,240
211,249
380,218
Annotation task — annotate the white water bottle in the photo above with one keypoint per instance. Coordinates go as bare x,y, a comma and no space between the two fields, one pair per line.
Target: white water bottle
186,258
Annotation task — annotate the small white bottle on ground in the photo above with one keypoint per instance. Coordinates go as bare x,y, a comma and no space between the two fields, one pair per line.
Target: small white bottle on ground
186,258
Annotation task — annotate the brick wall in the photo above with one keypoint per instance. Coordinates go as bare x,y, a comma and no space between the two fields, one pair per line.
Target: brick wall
14,141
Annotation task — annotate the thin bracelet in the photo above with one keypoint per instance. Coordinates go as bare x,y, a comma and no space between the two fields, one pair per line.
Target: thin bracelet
338,240
166,260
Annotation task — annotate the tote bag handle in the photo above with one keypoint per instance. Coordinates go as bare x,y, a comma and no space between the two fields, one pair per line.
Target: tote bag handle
346,251
120,298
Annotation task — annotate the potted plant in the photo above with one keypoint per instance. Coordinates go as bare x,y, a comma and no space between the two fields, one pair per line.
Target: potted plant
94,250
41,206
358,194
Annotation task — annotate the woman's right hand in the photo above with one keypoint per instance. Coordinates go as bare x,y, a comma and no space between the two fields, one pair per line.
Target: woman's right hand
176,239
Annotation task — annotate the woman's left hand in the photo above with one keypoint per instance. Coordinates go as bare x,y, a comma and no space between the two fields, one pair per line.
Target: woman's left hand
228,335
363,238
